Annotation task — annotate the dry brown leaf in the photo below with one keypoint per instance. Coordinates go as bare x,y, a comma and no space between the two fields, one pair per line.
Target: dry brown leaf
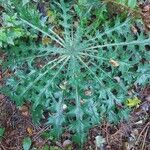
46,40
30,131
26,114
58,31
24,110
134,29
145,14
114,63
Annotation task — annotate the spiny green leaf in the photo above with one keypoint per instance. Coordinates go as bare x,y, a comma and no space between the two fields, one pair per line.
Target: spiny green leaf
27,143
24,2
2,130
132,3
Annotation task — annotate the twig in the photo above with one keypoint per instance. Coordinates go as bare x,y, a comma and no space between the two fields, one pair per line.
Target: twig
2,146
107,138
141,133
41,131
144,139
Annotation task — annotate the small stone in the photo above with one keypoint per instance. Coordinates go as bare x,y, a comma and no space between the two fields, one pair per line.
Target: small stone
146,8
67,143
88,92
64,106
117,79
82,102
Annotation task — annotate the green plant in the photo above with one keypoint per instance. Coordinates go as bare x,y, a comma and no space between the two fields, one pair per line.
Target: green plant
10,30
26,143
2,130
87,9
80,79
